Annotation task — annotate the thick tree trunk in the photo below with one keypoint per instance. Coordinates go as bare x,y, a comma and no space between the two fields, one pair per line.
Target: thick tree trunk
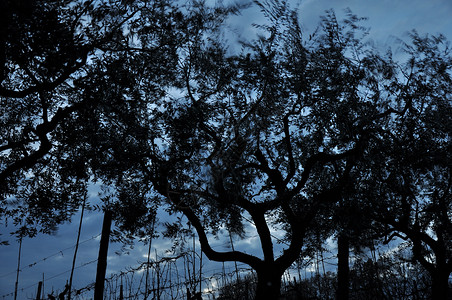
440,285
102,259
343,269
268,284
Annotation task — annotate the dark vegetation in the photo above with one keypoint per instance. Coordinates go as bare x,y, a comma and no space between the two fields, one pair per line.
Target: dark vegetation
318,135
384,279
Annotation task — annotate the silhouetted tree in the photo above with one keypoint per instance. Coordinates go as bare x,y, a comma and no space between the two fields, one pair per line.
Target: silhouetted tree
270,134
409,183
282,133
56,59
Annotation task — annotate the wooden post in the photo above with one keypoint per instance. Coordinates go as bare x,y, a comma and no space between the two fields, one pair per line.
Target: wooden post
157,271
43,288
102,259
18,269
76,248
194,264
38,294
200,270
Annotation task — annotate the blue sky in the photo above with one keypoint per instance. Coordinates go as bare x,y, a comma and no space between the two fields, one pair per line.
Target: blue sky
51,256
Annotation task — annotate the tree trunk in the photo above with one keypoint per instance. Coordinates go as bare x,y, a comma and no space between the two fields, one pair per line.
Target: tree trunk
440,285
268,284
343,269
102,259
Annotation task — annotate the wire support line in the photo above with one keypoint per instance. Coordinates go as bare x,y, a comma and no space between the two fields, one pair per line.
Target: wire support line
181,284
60,252
52,277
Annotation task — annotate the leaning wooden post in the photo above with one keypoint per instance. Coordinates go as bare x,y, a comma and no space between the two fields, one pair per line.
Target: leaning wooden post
76,248
102,259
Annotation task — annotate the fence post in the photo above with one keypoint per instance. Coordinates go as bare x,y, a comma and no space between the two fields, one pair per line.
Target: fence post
102,259
76,247
38,294
18,268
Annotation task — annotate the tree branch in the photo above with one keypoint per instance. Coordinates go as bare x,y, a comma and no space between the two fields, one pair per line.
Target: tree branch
263,231
322,158
46,86
291,172
212,254
274,175
45,146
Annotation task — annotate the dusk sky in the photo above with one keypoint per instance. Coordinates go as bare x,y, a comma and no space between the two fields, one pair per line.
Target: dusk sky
51,256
